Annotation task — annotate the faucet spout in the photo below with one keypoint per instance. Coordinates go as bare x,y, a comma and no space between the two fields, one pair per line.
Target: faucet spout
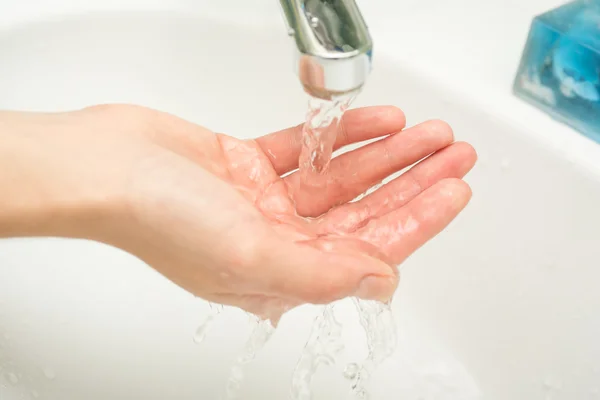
334,47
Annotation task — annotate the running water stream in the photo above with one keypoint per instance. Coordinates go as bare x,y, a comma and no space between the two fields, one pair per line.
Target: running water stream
204,328
259,337
322,348
320,132
377,320
325,341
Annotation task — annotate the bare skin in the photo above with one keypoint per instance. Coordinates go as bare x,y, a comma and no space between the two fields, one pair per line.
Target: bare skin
218,216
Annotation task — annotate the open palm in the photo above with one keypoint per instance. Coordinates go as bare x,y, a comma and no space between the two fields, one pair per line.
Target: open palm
225,218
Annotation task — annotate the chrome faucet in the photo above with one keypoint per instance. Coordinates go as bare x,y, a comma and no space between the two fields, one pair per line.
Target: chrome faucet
334,48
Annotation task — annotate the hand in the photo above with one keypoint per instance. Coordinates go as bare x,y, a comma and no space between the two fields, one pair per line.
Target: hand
213,214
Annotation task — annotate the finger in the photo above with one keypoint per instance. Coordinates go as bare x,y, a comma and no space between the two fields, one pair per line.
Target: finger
247,166
283,147
454,161
399,233
318,272
354,172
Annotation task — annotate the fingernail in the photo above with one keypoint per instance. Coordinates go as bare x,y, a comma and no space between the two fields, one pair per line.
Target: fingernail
376,288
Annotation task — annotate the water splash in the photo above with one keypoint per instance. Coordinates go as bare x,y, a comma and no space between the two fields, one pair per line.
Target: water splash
258,339
323,346
368,192
319,135
351,371
204,328
378,322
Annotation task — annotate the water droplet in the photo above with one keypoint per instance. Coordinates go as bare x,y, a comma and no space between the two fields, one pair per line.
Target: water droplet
202,330
351,371
258,339
273,156
361,394
291,32
12,378
371,190
314,22
215,307
49,373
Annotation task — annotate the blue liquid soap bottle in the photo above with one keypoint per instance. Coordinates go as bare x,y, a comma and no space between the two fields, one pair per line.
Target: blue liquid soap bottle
560,67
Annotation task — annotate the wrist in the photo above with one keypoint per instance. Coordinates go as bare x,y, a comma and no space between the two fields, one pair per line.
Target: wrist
46,187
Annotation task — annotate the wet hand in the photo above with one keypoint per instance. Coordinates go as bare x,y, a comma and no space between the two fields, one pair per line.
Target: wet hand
222,217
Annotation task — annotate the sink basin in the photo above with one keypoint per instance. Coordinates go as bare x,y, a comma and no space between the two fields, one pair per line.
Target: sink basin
502,305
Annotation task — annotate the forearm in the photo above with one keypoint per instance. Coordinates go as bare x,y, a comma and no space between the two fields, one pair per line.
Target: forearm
40,193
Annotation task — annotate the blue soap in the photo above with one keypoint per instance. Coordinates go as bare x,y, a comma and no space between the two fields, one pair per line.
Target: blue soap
560,67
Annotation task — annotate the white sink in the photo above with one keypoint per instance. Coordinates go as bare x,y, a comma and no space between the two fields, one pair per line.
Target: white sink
503,305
